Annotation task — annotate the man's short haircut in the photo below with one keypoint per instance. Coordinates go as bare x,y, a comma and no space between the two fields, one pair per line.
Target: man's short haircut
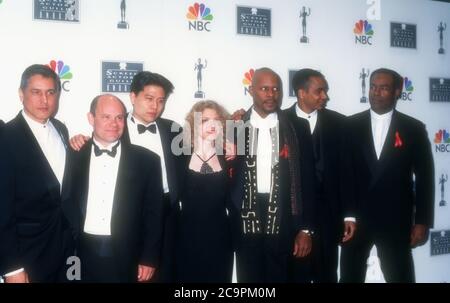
267,70
94,103
301,79
144,78
39,69
398,79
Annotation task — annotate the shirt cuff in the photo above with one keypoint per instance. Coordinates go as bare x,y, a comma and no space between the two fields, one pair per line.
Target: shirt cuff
350,219
13,272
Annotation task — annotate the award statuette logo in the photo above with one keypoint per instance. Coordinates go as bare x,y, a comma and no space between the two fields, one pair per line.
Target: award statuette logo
403,35
442,181
439,90
441,28
303,15
254,21
363,76
57,10
123,10
117,76
440,242
199,67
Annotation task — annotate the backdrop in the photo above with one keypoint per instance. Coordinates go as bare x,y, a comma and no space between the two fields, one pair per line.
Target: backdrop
208,50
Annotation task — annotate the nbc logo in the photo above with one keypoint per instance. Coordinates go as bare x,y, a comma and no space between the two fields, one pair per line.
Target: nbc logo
363,32
247,81
63,72
199,17
409,88
442,141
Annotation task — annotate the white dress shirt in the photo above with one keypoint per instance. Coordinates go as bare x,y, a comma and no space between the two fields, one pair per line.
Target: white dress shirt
51,145
149,141
264,149
311,117
102,184
54,151
380,127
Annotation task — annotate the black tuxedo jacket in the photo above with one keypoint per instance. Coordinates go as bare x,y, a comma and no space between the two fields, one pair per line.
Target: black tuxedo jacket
388,199
289,225
136,222
174,163
34,232
335,204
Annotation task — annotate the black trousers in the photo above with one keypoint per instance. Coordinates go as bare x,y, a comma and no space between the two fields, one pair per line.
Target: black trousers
97,261
259,259
165,272
394,252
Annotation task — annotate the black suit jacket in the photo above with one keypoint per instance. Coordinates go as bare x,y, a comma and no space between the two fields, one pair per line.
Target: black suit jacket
34,232
136,222
289,225
175,164
388,199
335,204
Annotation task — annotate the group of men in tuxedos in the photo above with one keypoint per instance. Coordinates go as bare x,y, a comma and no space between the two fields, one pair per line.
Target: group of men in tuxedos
308,180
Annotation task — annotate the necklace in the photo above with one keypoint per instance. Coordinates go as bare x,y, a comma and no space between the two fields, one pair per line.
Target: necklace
206,168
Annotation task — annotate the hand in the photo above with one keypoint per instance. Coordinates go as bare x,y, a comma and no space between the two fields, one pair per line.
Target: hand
145,273
21,277
230,151
237,115
302,245
78,141
349,231
419,235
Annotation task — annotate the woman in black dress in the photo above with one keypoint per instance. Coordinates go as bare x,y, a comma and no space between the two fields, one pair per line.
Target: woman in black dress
204,252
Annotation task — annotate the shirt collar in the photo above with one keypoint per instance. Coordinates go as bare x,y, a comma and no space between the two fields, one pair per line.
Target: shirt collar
109,147
137,121
385,116
259,122
34,124
302,114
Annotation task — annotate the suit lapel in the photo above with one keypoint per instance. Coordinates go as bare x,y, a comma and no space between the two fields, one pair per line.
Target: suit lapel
35,152
123,174
388,148
166,142
367,142
83,167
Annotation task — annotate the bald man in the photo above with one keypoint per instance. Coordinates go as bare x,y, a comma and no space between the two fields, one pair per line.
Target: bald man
117,201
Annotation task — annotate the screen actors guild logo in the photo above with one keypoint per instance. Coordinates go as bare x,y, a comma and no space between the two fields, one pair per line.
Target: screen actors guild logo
441,28
123,10
117,76
403,35
199,67
56,10
254,21
303,15
442,181
363,76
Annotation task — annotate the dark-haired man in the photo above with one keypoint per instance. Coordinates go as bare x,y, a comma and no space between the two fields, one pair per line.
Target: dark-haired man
393,175
34,233
334,213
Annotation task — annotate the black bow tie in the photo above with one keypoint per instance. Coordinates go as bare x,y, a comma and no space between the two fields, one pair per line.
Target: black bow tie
142,128
112,153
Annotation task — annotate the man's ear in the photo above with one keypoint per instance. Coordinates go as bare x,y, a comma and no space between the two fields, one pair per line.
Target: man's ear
132,98
21,95
90,119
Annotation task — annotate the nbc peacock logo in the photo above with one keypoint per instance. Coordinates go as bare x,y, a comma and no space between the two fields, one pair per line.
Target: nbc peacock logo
442,141
63,71
247,80
409,88
199,17
363,32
